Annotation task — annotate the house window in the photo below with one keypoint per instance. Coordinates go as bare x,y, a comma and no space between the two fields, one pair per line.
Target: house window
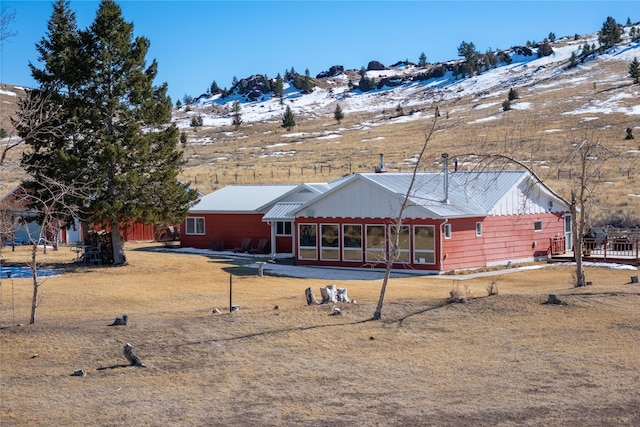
537,226
375,243
447,231
283,228
478,229
195,225
424,243
330,242
307,248
403,251
352,242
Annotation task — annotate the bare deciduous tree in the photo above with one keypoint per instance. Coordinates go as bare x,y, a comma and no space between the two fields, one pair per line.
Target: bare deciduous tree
7,16
51,206
394,243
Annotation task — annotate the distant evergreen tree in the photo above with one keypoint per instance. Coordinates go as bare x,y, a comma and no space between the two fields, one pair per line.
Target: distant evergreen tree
470,54
362,72
183,138
288,119
366,84
610,34
506,105
307,83
3,133
629,23
188,99
573,61
544,49
196,121
178,104
513,94
634,70
237,115
338,114
422,60
234,82
214,89
279,88
399,110
267,83
552,37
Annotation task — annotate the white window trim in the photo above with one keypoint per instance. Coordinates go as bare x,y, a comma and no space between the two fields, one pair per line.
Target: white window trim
329,248
382,250
283,228
535,223
447,231
416,260
401,250
478,229
194,220
299,245
346,249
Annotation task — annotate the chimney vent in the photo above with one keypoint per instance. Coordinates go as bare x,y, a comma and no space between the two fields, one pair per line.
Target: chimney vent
445,156
381,168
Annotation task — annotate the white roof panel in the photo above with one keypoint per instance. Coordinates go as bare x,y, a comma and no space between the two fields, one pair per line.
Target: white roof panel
241,198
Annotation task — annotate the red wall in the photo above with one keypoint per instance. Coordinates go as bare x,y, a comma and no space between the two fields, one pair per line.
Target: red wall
226,231
504,238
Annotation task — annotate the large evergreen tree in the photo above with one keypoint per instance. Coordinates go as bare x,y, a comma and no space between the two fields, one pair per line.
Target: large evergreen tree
99,81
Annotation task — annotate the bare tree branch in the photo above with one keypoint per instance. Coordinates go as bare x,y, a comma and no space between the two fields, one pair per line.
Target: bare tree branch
397,229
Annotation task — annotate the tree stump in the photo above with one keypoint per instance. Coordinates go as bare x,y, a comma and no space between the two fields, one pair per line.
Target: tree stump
342,295
311,298
554,300
120,321
329,294
131,357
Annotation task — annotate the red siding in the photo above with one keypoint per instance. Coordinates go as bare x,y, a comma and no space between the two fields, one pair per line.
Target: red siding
226,231
133,231
503,238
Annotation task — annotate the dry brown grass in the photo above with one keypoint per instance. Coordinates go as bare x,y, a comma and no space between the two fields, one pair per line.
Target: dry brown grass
502,360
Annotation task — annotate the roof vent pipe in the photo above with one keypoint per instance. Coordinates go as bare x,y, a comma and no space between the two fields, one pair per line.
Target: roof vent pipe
381,168
445,156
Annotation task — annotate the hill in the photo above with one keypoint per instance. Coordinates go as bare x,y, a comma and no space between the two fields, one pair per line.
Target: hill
558,107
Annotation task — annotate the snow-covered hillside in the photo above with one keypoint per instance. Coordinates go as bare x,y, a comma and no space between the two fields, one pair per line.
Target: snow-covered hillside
546,74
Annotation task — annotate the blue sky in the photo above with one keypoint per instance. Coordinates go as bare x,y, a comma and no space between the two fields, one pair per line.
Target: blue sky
197,42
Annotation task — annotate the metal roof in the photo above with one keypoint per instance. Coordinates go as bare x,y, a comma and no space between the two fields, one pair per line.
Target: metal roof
242,198
282,211
469,193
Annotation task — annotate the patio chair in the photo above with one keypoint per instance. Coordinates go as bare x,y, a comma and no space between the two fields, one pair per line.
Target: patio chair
246,242
259,248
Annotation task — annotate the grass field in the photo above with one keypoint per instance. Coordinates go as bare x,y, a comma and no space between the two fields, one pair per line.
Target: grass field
503,360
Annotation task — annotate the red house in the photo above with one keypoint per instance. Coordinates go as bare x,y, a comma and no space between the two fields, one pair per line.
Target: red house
222,220
452,221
